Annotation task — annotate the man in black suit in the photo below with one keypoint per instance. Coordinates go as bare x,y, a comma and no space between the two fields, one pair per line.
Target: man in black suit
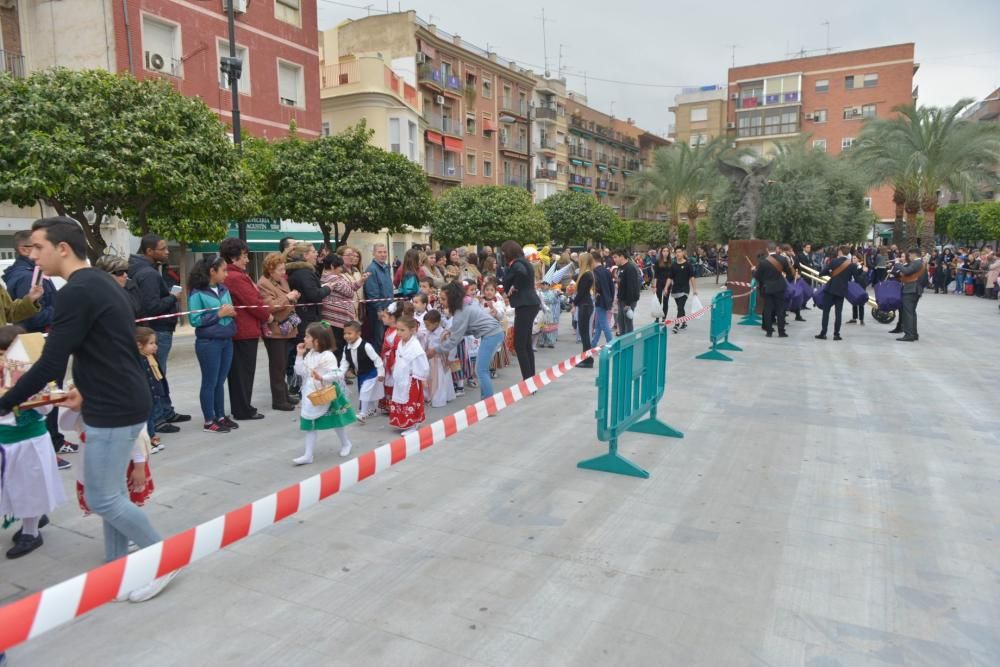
841,271
804,256
913,276
773,273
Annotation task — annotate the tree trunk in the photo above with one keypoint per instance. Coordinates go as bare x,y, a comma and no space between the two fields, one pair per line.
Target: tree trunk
897,224
185,269
347,232
927,232
692,239
96,245
325,228
910,237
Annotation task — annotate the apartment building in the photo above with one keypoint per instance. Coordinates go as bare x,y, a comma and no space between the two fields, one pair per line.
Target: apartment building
474,103
825,98
699,115
550,130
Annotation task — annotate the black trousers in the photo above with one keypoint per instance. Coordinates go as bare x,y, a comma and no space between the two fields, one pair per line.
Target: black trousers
680,299
276,358
338,335
908,315
524,319
240,379
584,314
625,325
858,312
774,309
837,305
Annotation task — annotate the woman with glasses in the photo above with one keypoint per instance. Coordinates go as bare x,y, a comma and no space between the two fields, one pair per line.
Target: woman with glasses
117,266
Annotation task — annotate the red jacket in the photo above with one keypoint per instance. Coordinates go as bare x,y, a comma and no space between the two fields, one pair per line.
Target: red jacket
245,293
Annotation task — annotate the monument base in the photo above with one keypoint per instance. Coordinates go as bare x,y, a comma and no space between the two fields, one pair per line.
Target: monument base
742,259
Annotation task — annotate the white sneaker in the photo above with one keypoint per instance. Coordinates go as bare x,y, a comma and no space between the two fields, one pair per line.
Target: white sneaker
150,591
345,449
302,460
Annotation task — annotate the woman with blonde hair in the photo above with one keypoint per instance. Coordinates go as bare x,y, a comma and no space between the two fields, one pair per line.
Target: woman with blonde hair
280,301
584,302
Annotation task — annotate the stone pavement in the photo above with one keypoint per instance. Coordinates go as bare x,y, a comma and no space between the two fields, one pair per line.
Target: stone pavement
832,503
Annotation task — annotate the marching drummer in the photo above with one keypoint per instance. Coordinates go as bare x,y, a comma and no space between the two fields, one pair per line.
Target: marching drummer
913,275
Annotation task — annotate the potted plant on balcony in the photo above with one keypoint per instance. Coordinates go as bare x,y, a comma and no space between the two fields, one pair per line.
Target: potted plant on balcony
470,95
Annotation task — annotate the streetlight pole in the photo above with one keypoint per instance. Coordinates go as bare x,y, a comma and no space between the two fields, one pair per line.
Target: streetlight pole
531,106
232,67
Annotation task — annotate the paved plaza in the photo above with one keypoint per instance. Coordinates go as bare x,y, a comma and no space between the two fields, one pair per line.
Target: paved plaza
831,503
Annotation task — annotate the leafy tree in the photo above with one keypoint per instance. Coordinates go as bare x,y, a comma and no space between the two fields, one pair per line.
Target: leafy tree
92,144
575,217
978,221
489,214
704,231
680,177
653,233
344,184
620,235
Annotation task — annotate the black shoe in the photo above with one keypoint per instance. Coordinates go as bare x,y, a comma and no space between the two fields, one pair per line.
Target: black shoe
167,427
820,336
586,364
42,522
782,334
852,321
228,423
215,427
251,418
770,334
799,318
895,331
25,545
63,464
907,339
178,418
288,407
837,337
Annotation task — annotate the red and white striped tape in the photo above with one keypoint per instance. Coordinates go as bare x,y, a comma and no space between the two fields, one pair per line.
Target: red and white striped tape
47,609
297,305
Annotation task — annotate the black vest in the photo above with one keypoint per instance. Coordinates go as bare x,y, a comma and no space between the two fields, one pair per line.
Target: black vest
365,365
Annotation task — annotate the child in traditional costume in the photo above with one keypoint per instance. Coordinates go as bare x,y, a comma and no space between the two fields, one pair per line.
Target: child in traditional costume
409,374
324,403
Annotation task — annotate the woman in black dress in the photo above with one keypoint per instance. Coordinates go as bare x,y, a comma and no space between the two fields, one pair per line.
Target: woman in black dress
519,285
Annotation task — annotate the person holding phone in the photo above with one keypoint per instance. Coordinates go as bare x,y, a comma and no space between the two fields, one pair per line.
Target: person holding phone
214,329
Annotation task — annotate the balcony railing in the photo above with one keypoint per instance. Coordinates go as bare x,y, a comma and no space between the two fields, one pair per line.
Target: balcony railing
550,174
576,179
585,153
340,74
12,63
516,181
615,162
518,108
771,99
602,158
430,76
545,145
545,113
445,124
512,144
615,187
632,164
439,169
452,83
767,130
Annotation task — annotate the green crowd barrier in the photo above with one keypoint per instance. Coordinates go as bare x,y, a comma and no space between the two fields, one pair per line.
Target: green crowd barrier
631,379
751,319
722,322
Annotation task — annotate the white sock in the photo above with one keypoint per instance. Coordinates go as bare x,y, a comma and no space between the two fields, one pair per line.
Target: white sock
345,442
366,407
307,457
30,526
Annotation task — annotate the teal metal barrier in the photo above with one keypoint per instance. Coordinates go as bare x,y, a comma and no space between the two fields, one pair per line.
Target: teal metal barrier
632,376
722,322
751,319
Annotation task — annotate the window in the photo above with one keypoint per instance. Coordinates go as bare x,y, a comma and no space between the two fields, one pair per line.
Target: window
867,110
290,84
487,88
288,11
487,123
871,80
242,54
698,140
699,114
846,143
487,169
394,135
326,128
470,123
470,82
470,164
819,115
412,139
507,100
849,82
822,85
868,203
161,46
819,144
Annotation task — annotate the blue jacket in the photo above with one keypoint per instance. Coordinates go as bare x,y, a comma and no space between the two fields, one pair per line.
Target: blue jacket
209,324
17,277
604,288
379,285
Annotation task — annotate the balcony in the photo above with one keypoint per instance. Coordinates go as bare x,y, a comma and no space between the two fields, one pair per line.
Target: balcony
340,74
775,129
602,158
511,144
547,145
580,152
363,75
602,184
516,181
632,165
518,108
771,99
547,174
545,113
431,77
615,187
577,179
615,162
444,124
12,63
437,169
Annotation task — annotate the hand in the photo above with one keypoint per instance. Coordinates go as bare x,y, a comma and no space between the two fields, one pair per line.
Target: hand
300,349
316,376
380,378
293,296
35,293
227,310
430,353
138,477
74,399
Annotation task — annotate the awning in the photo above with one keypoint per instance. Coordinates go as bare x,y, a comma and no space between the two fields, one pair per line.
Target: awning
601,167
433,137
578,163
427,49
489,126
588,164
452,144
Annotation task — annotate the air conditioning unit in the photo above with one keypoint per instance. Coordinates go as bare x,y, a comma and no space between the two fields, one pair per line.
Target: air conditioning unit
439,99
154,61
730,126
421,57
810,116
239,6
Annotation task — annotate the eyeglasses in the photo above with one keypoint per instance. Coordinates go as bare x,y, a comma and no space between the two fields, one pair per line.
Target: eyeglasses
119,273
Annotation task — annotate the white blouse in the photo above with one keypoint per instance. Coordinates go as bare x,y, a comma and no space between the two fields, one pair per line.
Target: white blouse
324,363
411,363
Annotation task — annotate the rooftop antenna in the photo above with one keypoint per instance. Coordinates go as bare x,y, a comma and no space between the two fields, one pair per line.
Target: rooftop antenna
585,93
827,24
561,60
612,114
545,44
734,47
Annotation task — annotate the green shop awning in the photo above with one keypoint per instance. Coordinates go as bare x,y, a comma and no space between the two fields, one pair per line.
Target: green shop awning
263,241
588,164
576,188
601,167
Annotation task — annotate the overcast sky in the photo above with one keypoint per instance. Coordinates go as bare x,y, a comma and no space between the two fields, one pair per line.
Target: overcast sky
689,43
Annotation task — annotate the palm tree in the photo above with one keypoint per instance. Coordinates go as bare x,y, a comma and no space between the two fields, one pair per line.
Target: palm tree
884,160
680,178
926,150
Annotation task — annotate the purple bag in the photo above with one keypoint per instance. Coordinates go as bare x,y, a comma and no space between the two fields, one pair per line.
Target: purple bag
889,295
806,289
820,298
856,294
793,297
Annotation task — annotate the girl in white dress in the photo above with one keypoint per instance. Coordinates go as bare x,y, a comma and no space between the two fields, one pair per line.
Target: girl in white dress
408,376
440,388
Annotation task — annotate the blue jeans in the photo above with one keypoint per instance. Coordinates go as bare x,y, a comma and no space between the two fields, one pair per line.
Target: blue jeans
215,356
105,460
487,348
601,325
164,341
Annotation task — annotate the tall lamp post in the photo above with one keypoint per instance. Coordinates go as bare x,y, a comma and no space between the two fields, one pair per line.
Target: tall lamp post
507,118
232,68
